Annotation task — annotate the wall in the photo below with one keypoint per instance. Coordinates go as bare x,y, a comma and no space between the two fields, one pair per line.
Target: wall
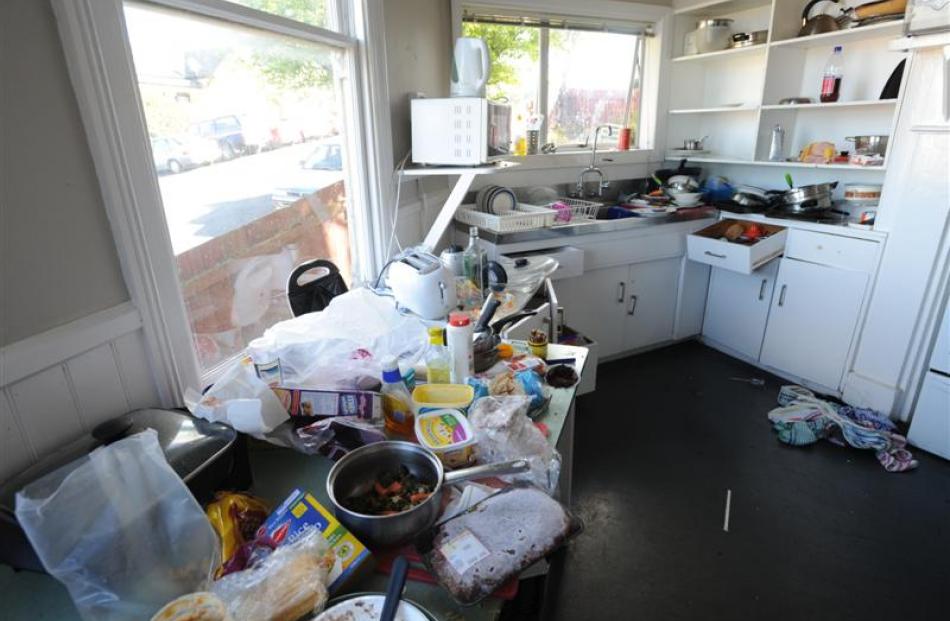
58,261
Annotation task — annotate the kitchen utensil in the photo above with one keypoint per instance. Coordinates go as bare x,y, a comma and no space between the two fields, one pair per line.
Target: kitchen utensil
422,285
356,472
893,85
882,8
367,606
451,258
689,43
866,194
713,35
752,198
787,101
788,180
691,144
807,198
470,68
818,24
867,145
777,148
487,337
397,582
682,182
747,39
664,174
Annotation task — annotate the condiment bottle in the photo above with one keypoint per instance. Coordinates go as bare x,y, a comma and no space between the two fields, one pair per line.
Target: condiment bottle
397,401
438,367
458,335
831,77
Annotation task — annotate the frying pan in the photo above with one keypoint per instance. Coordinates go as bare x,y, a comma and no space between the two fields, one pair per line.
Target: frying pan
356,472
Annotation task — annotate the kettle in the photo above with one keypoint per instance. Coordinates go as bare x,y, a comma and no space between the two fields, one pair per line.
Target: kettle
470,68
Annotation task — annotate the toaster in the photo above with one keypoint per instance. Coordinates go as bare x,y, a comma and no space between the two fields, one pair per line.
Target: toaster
422,285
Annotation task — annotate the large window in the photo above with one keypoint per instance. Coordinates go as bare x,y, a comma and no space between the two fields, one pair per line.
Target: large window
571,75
249,145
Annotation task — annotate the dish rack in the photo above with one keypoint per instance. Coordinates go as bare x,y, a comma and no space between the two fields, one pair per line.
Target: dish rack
523,218
580,209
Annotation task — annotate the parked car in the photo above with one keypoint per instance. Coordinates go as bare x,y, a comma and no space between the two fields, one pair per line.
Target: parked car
170,155
228,132
321,168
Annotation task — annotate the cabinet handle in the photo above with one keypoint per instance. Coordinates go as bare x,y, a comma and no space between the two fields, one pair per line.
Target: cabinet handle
713,254
621,292
781,295
633,305
765,281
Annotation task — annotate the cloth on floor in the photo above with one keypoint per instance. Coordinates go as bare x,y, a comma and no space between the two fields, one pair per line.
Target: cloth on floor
804,419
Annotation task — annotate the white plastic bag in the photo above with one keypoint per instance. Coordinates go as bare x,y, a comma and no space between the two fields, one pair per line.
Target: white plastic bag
503,432
120,529
339,347
240,399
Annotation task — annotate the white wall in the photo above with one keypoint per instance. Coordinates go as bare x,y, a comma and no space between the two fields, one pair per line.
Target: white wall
58,262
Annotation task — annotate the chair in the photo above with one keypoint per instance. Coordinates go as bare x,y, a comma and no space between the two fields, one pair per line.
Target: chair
312,285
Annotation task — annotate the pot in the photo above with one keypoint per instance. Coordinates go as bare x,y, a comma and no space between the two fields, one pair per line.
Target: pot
867,145
747,39
713,35
355,473
818,24
692,144
808,198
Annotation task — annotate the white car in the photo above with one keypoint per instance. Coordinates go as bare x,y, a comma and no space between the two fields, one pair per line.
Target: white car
323,167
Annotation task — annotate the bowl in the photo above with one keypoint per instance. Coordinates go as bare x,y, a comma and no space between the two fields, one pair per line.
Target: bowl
687,197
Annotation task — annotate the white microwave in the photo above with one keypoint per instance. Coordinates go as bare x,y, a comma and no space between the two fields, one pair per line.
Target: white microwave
460,131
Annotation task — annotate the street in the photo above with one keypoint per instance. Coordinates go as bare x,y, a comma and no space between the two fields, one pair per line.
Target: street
208,201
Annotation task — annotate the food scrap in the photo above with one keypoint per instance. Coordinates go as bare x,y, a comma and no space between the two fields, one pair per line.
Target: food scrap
391,493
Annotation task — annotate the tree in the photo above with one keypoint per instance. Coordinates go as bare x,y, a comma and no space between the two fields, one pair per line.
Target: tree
505,44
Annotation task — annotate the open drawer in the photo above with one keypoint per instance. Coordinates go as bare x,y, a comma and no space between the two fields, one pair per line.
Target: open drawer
709,246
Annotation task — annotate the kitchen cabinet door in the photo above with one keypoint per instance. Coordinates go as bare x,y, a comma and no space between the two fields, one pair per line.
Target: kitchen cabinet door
651,303
812,320
737,308
594,305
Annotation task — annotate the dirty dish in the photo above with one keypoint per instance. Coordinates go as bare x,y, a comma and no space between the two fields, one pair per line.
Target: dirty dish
369,607
561,376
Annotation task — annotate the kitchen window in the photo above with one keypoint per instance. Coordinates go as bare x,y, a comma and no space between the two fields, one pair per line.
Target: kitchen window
562,75
233,140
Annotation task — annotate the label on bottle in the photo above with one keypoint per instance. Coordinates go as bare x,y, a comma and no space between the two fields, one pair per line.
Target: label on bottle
829,85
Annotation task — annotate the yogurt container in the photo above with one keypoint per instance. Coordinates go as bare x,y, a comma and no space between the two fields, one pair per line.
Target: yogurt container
448,434
432,397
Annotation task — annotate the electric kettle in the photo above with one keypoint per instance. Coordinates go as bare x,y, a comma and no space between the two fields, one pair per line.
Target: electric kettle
470,68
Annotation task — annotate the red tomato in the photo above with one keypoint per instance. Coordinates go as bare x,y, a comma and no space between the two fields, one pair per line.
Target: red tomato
753,232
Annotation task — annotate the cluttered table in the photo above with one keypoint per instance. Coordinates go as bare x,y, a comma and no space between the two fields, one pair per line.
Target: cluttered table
276,473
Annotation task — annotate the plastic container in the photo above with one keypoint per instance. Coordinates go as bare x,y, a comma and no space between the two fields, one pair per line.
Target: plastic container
863,194
458,336
449,435
431,397
523,218
831,77
397,402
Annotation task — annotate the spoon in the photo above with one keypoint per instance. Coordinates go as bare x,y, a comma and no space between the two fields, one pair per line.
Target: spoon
397,582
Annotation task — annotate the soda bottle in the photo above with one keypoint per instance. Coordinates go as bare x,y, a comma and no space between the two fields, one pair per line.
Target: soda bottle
831,78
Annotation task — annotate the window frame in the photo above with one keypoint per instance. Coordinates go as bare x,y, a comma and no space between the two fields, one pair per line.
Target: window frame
654,93
101,69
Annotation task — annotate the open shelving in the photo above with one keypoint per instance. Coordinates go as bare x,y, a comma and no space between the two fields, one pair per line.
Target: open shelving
732,95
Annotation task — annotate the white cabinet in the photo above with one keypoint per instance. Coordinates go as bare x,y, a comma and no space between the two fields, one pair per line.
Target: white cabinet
594,305
651,303
737,308
812,320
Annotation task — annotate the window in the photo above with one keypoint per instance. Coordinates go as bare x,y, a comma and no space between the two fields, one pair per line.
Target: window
558,75
248,143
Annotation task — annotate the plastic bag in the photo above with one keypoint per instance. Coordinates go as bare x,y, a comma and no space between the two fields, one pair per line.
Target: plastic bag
120,529
240,399
503,432
287,584
236,518
340,347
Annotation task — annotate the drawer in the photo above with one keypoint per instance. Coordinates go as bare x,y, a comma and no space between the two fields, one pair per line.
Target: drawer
834,250
633,250
707,246
570,260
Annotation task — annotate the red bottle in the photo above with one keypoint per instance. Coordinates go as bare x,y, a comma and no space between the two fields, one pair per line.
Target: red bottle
831,77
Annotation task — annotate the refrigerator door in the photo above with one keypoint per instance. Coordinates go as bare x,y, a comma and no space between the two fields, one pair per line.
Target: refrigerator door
930,427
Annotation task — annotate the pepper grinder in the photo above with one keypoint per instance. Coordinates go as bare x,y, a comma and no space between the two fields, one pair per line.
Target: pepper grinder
777,150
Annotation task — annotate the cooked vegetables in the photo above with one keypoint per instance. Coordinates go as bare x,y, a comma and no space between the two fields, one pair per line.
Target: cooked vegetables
391,493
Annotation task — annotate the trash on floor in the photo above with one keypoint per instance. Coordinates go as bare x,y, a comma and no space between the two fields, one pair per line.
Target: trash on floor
803,419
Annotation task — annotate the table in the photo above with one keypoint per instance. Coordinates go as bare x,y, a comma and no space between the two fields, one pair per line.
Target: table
39,597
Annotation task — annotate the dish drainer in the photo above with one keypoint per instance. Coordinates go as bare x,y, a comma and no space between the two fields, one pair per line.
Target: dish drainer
523,218
580,209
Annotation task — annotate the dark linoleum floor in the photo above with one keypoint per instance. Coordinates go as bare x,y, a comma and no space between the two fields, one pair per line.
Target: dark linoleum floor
820,532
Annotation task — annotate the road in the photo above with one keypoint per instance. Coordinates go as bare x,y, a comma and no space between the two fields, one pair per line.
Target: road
211,200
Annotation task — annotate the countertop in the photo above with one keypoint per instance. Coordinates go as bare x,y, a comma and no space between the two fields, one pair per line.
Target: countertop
39,597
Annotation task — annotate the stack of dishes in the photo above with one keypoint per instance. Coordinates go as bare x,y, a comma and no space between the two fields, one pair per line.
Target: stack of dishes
495,199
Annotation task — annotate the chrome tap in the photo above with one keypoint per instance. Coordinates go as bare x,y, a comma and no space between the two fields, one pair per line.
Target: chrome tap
603,183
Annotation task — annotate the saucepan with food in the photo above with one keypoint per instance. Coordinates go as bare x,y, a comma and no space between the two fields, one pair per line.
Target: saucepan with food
388,492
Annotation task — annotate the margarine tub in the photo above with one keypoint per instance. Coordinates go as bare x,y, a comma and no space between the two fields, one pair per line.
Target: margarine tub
448,434
431,397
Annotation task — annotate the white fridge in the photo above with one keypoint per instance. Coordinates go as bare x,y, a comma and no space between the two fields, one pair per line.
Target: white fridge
930,426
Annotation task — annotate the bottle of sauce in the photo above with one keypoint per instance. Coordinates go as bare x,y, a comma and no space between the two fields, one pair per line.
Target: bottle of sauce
438,367
474,259
458,335
831,78
397,402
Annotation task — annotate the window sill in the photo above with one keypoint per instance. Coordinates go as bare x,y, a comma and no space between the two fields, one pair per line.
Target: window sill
573,159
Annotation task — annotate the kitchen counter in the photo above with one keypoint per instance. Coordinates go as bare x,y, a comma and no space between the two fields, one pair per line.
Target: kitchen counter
277,471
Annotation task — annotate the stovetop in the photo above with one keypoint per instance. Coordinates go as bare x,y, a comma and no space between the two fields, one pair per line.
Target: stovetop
828,216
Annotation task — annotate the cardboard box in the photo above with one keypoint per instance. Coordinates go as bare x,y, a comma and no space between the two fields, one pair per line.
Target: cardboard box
301,512
360,403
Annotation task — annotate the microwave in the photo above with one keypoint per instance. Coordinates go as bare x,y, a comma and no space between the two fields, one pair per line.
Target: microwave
460,131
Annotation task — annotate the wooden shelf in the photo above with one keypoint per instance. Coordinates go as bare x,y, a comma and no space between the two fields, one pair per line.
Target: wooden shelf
712,159
728,53
718,7
832,106
715,110
874,31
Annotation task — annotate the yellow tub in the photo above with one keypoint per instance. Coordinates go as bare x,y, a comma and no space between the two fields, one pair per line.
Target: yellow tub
429,397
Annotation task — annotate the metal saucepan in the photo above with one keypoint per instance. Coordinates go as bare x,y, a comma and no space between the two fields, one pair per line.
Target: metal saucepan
356,472
869,144
808,198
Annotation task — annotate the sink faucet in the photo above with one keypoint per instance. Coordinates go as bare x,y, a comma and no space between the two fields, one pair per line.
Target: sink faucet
603,183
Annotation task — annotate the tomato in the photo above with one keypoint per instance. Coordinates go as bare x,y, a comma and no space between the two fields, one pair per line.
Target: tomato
753,232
